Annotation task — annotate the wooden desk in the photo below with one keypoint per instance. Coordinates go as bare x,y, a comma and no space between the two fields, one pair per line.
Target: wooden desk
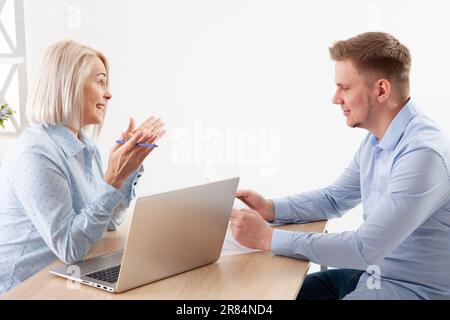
255,275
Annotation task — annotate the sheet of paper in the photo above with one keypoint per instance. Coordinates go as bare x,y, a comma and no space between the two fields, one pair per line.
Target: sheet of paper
239,204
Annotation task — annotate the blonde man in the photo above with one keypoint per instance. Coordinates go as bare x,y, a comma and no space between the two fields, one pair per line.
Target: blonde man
56,201
400,174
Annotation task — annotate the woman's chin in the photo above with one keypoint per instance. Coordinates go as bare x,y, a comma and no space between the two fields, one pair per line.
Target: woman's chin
94,122
99,118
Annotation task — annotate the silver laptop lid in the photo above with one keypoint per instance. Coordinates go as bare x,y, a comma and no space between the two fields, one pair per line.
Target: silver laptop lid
176,231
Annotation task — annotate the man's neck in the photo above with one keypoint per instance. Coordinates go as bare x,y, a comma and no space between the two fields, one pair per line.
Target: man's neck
384,119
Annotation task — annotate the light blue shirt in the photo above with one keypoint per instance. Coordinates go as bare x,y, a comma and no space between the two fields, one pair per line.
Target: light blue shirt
54,202
404,186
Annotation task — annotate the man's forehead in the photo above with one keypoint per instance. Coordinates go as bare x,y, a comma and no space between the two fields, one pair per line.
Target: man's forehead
345,71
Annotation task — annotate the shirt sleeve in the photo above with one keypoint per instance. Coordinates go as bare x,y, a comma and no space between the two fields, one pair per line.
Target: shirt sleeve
413,195
323,204
129,192
42,189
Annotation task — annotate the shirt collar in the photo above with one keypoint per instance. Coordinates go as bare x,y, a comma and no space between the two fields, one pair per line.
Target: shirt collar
68,142
87,142
396,128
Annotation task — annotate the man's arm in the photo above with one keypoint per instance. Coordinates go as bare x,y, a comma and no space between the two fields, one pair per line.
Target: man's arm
323,204
419,186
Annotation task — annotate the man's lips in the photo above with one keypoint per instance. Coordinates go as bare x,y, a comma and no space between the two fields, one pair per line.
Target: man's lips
346,112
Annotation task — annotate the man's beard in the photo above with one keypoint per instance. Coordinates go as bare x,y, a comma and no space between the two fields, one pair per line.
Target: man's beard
368,116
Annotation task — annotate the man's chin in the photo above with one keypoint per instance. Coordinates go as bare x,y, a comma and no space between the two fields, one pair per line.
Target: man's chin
352,124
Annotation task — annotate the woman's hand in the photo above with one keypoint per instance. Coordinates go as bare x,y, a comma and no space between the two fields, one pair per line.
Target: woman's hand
151,126
127,158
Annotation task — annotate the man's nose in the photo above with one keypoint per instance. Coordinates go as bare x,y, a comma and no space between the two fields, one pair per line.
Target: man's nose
337,99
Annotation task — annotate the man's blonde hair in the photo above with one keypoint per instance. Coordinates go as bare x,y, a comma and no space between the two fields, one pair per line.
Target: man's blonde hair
57,97
379,53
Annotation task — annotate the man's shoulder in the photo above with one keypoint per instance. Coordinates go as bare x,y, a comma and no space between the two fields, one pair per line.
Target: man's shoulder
423,133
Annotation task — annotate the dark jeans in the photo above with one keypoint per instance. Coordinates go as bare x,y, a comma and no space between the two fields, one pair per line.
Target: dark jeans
329,285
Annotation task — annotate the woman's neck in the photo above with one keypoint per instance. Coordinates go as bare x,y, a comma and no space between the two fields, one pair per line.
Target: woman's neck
75,132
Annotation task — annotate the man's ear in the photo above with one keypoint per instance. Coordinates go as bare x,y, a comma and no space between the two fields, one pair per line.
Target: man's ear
383,90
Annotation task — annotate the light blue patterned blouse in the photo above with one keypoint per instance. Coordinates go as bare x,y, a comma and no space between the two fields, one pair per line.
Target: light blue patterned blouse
54,202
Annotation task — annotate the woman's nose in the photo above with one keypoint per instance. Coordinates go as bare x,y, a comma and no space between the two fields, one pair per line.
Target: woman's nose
107,95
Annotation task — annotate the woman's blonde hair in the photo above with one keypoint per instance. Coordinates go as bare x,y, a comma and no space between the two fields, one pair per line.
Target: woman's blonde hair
57,97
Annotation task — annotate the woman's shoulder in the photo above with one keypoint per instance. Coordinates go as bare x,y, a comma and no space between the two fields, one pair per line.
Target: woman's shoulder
34,141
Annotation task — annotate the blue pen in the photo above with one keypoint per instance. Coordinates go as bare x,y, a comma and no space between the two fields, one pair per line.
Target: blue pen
148,145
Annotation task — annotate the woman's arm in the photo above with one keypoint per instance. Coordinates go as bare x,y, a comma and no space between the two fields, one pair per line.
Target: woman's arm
44,192
129,192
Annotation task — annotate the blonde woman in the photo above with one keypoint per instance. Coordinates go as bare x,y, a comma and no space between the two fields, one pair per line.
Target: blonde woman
56,201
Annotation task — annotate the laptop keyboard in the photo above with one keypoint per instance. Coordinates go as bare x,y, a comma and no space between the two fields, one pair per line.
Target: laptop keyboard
110,275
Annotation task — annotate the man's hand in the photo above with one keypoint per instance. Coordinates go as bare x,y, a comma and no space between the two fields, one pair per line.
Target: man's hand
257,202
250,229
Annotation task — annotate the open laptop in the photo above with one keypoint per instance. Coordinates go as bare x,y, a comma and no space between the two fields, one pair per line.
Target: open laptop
170,233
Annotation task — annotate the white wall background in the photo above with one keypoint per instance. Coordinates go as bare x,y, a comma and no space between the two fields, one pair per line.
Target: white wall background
244,86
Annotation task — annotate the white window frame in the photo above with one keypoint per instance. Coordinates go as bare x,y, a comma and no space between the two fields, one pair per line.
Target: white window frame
17,60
